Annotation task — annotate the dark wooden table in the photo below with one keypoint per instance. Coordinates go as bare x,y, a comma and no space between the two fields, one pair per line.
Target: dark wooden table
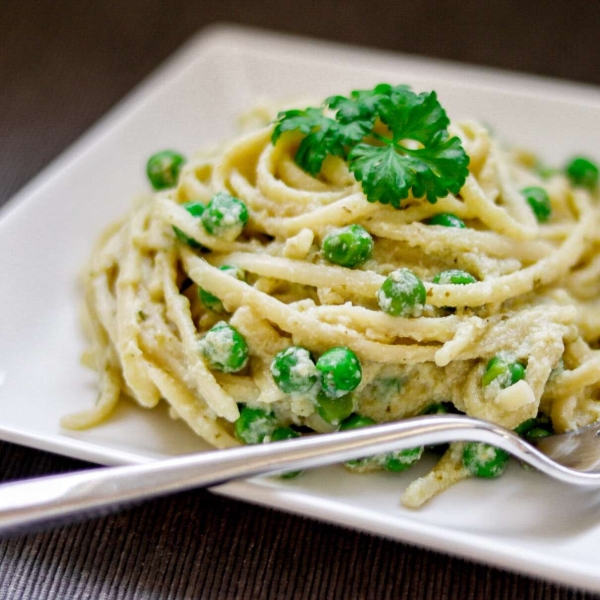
63,63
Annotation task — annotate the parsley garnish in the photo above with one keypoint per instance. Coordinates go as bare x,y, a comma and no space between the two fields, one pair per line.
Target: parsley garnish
395,142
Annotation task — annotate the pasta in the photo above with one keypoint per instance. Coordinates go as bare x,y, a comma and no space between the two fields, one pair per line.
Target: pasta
170,295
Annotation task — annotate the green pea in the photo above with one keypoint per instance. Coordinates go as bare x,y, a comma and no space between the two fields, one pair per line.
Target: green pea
355,422
163,169
536,434
402,294
399,461
525,426
483,460
340,371
395,462
294,371
582,171
447,220
336,409
507,373
225,216
544,421
349,246
454,276
286,433
539,201
210,300
225,348
437,408
254,425
195,209
535,429
517,372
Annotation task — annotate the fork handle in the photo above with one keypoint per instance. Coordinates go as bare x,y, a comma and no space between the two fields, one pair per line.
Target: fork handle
54,499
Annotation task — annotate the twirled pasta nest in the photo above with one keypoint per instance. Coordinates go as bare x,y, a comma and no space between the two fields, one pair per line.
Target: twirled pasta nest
535,299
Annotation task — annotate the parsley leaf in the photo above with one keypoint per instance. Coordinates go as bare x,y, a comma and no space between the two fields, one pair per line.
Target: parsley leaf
361,106
436,167
352,133
323,136
304,121
315,147
413,117
395,141
439,167
382,173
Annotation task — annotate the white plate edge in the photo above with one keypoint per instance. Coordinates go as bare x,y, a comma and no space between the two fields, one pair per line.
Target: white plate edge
418,534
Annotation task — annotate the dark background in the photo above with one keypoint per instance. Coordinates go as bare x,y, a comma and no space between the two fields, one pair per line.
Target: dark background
63,64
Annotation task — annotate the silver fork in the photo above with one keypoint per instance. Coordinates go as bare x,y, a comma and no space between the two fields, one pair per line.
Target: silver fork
570,458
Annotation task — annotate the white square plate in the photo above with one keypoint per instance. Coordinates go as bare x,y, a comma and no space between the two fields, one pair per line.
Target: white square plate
522,521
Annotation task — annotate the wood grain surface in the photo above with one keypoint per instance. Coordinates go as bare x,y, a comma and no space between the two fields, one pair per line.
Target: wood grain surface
63,64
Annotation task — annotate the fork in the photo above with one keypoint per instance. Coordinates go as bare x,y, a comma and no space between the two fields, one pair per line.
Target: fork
56,499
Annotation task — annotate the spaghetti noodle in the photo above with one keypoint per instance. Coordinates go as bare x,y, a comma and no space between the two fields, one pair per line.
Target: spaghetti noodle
185,284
